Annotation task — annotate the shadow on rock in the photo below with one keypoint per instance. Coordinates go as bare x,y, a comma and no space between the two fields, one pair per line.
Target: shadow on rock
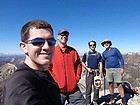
117,97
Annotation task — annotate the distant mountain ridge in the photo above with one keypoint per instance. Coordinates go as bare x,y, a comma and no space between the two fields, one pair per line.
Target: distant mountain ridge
10,58
132,65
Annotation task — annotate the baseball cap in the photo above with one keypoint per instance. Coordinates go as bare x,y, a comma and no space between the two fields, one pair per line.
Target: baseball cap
63,31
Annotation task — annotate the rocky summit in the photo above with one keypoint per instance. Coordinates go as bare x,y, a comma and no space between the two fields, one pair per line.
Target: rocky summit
104,96
8,64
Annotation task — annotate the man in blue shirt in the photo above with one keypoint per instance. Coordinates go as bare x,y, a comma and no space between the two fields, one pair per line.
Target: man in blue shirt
91,61
114,65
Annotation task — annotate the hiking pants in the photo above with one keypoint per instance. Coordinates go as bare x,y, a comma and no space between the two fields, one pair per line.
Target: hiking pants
73,98
89,84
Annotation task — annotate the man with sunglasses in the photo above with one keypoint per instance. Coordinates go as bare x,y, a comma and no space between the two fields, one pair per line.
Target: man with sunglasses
91,61
32,84
66,69
114,65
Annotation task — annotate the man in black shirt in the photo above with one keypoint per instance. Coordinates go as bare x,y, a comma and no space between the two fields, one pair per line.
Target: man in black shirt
91,61
31,84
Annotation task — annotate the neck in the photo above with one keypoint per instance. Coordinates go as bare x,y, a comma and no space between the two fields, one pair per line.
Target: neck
108,48
62,46
35,66
92,50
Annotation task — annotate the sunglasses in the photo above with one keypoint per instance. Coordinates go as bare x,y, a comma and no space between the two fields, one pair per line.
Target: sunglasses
41,41
92,45
64,34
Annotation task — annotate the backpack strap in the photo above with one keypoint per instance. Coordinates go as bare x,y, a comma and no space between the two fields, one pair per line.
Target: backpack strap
98,54
87,55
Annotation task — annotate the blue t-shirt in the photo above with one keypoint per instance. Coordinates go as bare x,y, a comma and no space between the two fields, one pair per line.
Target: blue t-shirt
113,58
92,59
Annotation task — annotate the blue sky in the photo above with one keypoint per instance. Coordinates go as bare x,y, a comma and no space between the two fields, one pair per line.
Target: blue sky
117,20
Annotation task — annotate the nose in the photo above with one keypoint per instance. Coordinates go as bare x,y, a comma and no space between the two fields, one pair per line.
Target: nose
46,45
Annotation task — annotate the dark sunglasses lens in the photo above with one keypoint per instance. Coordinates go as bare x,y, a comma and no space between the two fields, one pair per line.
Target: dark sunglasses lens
92,45
38,41
64,34
51,42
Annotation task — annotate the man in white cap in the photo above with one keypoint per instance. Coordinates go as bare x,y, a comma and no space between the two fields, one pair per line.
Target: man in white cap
114,65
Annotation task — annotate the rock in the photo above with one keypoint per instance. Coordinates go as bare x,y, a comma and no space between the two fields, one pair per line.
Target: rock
104,96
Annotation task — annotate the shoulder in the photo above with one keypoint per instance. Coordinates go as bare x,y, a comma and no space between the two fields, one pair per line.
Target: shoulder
71,48
86,53
21,73
98,52
21,76
104,52
114,48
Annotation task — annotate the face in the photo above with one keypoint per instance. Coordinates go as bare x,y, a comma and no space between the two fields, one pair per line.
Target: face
62,39
106,45
92,46
39,52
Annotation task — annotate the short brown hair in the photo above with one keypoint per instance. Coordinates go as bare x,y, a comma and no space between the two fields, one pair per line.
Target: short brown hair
39,24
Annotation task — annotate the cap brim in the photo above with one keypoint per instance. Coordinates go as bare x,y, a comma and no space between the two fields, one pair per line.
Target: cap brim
102,44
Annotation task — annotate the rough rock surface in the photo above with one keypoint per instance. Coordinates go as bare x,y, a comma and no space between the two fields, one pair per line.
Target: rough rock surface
104,97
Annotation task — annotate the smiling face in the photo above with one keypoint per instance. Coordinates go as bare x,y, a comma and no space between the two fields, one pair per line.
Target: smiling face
62,39
106,45
38,57
92,46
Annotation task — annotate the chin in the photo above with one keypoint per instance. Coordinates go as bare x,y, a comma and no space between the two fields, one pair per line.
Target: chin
106,46
46,62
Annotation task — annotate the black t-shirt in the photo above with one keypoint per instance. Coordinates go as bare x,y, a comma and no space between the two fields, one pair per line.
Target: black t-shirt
31,87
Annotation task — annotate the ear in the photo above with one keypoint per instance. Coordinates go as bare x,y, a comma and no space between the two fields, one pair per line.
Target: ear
23,47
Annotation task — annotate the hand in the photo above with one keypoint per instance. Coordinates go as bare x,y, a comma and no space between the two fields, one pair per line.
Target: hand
89,70
101,75
122,71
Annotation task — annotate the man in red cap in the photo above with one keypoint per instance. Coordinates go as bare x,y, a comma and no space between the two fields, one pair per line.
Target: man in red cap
66,68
